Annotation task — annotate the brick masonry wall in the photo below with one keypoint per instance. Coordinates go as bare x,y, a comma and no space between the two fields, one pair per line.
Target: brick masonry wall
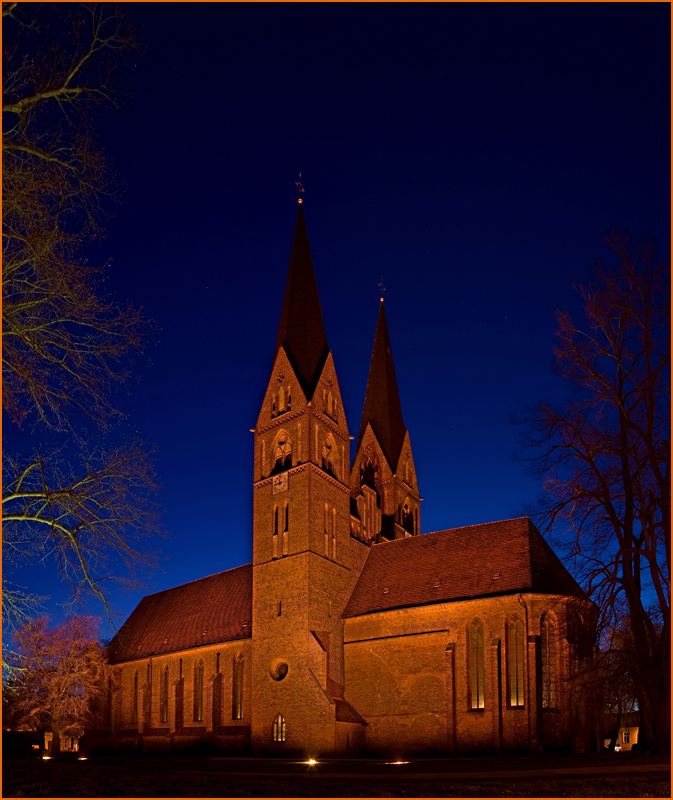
407,673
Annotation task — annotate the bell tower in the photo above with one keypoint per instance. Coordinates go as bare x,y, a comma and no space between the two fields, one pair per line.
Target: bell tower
383,478
305,562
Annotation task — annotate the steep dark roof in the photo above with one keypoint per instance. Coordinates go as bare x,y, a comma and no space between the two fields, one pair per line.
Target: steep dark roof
459,564
301,330
382,400
213,609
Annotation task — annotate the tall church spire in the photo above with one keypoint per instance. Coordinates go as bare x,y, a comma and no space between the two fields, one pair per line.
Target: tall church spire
301,331
382,406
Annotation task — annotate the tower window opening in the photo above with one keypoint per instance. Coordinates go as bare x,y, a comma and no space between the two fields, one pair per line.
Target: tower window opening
282,453
281,400
329,455
407,518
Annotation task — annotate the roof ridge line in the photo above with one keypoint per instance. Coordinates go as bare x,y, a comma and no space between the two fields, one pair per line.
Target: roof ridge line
196,580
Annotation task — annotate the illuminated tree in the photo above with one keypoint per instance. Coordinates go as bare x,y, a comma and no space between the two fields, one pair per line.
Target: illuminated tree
60,671
66,344
605,458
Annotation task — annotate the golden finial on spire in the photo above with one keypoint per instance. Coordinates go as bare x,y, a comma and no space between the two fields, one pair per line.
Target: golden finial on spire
382,288
299,187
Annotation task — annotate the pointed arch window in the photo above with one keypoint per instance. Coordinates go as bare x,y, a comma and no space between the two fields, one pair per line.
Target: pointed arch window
134,699
326,527
281,400
407,517
282,453
164,695
476,665
329,455
515,662
548,647
237,688
286,525
279,728
334,542
198,692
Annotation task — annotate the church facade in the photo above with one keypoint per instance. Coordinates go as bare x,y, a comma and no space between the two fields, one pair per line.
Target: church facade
350,632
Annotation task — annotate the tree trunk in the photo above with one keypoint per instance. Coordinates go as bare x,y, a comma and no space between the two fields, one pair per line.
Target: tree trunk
56,740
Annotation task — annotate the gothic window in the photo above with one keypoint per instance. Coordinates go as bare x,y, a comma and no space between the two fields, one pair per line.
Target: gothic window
134,699
237,688
289,398
326,530
334,546
198,692
275,519
368,475
329,403
164,695
286,516
515,662
329,455
282,453
476,665
273,405
279,729
281,400
407,518
548,646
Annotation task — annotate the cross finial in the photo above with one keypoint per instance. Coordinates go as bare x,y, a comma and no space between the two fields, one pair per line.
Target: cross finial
300,188
382,288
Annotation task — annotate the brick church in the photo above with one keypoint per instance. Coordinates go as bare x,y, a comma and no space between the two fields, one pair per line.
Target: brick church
350,632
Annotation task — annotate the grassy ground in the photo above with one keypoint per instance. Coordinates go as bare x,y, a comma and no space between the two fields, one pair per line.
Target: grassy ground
139,778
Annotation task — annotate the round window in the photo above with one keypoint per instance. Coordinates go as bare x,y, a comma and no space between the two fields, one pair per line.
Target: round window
279,669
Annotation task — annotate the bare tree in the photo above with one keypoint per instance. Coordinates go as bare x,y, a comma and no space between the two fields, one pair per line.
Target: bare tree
62,670
94,520
605,458
65,343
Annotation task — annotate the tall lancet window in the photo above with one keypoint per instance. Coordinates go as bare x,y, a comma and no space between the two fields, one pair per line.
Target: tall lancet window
476,665
548,644
326,526
515,662
286,526
237,688
164,695
134,700
198,692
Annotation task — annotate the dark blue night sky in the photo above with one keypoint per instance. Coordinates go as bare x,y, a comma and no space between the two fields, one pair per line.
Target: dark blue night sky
471,155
